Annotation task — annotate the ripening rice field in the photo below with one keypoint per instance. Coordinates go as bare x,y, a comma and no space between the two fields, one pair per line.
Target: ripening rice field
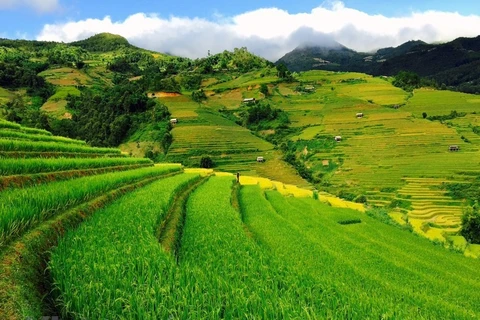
392,154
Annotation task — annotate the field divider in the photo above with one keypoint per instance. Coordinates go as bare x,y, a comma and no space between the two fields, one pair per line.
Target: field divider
170,230
235,201
22,181
57,154
24,280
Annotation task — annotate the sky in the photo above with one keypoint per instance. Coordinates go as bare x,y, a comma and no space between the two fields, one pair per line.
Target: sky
269,28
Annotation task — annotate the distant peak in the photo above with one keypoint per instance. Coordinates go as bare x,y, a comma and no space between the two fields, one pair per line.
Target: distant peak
324,43
103,42
108,36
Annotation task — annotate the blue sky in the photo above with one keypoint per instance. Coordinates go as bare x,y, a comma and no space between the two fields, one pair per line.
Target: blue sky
26,20
170,26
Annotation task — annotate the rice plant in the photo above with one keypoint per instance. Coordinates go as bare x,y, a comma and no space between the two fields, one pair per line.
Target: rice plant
373,270
32,166
23,208
19,145
38,137
221,273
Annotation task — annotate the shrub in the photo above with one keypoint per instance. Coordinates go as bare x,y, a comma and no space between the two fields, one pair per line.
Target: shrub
346,195
400,203
349,221
206,162
361,199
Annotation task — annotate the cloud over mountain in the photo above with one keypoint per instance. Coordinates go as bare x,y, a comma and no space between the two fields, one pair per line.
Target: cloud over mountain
271,32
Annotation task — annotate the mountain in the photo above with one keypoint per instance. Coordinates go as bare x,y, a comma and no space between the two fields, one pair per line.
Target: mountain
455,64
103,42
332,56
391,52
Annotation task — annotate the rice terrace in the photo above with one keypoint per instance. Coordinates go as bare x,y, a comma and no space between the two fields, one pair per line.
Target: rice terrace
331,184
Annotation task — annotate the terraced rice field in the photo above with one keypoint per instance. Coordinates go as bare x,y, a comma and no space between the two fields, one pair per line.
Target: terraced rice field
233,148
383,152
66,77
42,197
157,242
378,155
436,103
430,205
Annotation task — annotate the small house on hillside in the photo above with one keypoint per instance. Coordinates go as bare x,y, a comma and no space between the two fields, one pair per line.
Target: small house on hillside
309,88
338,138
325,163
454,148
249,100
260,159
174,121
359,115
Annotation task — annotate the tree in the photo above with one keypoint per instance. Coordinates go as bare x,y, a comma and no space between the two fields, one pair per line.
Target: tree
282,71
471,224
206,162
80,64
166,142
199,96
407,81
424,115
264,89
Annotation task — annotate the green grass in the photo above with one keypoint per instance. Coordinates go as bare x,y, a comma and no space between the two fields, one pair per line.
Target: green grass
248,79
61,93
5,95
309,133
24,208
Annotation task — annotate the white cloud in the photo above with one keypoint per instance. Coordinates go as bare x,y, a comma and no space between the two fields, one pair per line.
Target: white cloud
271,32
41,6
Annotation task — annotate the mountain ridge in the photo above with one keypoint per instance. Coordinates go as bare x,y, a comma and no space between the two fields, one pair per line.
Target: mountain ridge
455,63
